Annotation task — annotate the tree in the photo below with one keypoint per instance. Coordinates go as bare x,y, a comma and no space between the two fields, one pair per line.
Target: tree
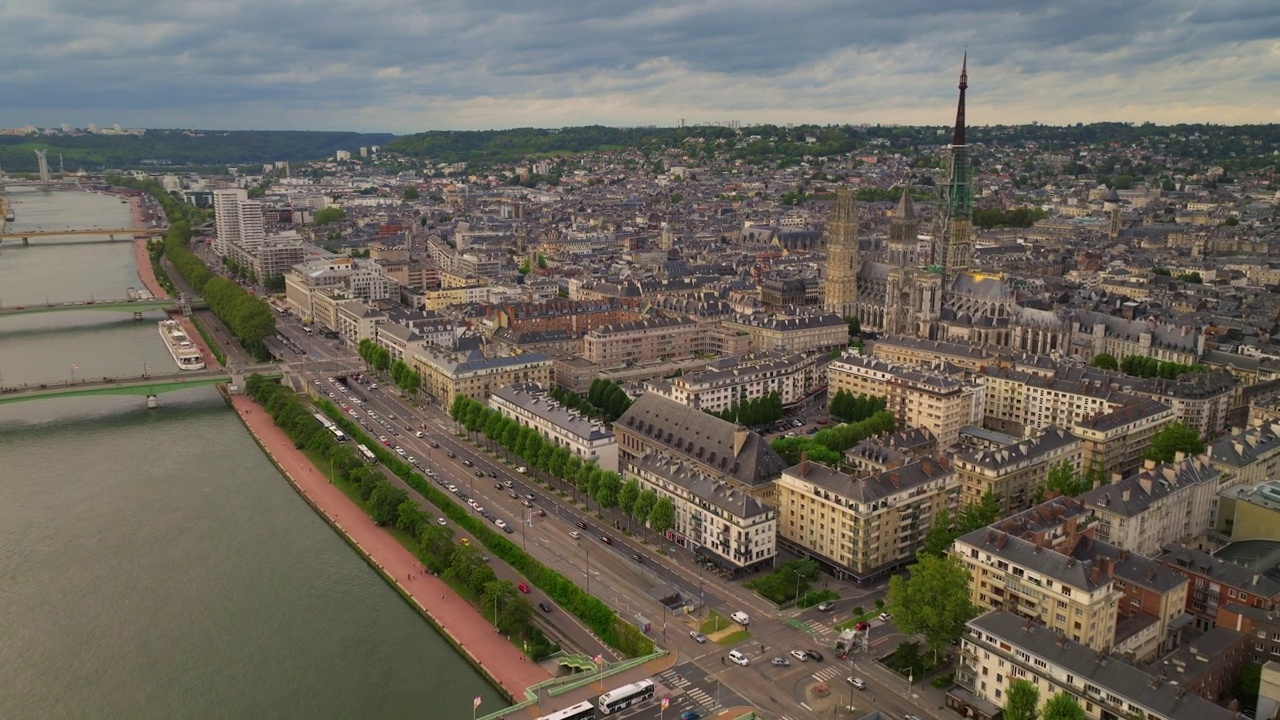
644,504
1022,701
1064,479
628,496
1178,437
663,515
940,536
1062,706
1245,688
324,216
1106,361
980,513
933,600
410,193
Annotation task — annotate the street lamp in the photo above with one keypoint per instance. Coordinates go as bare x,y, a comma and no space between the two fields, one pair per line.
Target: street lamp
797,572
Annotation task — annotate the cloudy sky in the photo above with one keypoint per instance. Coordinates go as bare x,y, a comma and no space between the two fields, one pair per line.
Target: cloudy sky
409,65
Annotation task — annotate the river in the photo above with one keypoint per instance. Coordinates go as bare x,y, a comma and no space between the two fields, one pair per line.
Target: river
153,563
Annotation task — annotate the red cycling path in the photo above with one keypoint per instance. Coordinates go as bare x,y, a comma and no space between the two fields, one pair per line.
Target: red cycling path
459,620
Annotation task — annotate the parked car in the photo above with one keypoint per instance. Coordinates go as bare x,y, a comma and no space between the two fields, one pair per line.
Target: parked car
697,636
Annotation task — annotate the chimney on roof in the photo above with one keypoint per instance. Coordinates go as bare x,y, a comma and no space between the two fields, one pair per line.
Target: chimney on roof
1179,456
739,439
1124,495
1148,464
1116,477
804,463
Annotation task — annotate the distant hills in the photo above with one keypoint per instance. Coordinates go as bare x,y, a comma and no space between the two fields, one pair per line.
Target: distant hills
1236,147
180,148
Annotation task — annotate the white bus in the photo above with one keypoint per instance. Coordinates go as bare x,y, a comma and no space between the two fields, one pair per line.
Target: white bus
582,711
367,454
324,420
624,697
338,434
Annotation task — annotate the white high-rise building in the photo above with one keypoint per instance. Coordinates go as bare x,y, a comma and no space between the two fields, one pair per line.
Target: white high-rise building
252,223
226,217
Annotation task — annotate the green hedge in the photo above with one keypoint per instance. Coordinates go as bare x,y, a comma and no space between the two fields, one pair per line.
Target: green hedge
602,620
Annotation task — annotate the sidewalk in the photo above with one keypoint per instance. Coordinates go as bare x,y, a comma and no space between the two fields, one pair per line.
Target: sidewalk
456,619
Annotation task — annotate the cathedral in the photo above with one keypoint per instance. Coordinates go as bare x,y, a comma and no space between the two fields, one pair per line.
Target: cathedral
940,297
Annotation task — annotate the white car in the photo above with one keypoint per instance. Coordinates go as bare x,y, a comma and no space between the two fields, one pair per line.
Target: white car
738,658
799,655
884,617
442,522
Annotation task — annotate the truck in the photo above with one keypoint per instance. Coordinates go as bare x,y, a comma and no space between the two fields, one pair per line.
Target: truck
848,638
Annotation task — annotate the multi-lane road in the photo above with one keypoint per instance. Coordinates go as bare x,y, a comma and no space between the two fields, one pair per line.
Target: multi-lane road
626,574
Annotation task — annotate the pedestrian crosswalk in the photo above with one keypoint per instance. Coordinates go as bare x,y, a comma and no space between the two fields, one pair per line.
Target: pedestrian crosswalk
675,681
818,627
828,673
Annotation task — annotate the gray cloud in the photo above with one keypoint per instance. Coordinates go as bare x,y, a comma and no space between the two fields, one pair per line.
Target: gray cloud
407,65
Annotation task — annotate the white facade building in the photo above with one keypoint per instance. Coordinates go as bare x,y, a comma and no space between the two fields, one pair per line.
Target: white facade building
531,406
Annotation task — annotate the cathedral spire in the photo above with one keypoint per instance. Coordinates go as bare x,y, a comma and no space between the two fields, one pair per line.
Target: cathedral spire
958,137
906,209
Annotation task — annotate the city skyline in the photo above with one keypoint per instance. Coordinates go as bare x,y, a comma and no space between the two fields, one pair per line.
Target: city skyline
399,67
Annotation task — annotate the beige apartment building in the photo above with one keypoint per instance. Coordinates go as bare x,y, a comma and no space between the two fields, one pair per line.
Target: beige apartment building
441,299
641,343
1115,442
530,406
907,350
917,397
1007,572
446,374
1164,503
864,527
1251,455
804,333
1013,473
734,381
1000,647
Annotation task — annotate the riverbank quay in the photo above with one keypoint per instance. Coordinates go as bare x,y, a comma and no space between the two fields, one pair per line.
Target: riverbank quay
142,255
458,622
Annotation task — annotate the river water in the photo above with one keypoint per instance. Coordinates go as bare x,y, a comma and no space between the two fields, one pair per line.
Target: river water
153,563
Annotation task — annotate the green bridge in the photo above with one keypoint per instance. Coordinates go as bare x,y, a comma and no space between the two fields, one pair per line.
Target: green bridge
131,306
146,386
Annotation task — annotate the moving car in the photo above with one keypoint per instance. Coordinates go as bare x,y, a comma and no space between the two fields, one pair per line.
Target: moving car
741,618
814,655
697,636
442,522
884,617
606,539
523,587
799,655
826,606
690,715
575,534
857,682
738,658
544,607
781,662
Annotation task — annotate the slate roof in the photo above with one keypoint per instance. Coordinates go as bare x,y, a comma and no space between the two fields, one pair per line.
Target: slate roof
873,487
1149,486
705,439
1062,568
689,477
1101,670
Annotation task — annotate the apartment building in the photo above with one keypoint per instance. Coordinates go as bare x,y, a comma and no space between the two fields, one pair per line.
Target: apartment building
731,382
1116,441
917,397
356,279
1000,647
1014,472
652,341
1095,333
1077,599
1259,625
1251,455
272,255
1216,583
531,406
907,350
441,299
357,321
1162,504
654,425
732,529
447,373
876,454
862,528
1249,512
795,334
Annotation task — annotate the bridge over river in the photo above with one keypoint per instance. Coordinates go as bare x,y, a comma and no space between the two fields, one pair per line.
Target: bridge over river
149,385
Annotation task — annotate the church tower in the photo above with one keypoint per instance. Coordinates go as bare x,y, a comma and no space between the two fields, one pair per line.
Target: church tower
843,264
904,231
1111,205
955,232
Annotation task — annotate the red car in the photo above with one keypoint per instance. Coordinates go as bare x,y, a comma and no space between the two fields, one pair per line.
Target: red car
523,587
